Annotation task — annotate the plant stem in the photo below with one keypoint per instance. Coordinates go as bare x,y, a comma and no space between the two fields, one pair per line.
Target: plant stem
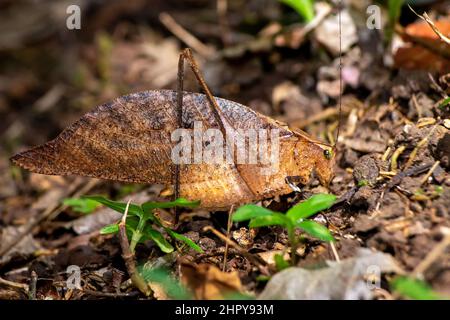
128,256
294,244
137,234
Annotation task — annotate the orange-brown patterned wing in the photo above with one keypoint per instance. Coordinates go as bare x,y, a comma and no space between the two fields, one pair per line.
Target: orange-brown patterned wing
125,140
129,140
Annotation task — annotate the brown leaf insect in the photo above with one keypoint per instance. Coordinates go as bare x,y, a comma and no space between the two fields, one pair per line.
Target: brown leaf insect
131,139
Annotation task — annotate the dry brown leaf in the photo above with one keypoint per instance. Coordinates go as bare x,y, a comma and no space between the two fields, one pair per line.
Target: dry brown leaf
413,55
207,282
129,140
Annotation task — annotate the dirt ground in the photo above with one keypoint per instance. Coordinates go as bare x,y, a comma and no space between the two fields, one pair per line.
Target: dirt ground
393,154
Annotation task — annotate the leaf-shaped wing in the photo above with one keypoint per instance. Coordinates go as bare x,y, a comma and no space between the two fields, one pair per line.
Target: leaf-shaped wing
129,140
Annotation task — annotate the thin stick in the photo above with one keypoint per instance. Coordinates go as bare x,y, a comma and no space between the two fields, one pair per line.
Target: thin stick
427,19
429,173
128,256
229,223
335,253
12,284
185,36
432,256
110,294
32,286
255,259
421,143
222,7
51,212
394,158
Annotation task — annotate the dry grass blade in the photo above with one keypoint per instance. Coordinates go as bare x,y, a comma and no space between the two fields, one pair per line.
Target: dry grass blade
430,22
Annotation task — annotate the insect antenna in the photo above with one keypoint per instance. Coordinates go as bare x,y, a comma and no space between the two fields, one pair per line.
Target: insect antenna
341,85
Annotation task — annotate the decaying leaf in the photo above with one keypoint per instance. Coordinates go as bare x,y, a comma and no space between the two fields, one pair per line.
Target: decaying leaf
423,48
129,139
207,282
27,245
353,278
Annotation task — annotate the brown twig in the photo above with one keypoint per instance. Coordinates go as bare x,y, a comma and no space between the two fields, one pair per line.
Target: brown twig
13,284
430,22
321,116
394,158
229,223
185,36
421,143
335,253
128,256
429,173
50,213
32,286
255,259
222,7
433,255
116,295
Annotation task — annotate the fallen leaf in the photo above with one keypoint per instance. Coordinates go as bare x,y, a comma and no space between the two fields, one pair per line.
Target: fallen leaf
207,282
129,140
413,55
26,246
345,280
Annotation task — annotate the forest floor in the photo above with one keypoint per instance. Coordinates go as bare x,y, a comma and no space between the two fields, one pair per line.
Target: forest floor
393,154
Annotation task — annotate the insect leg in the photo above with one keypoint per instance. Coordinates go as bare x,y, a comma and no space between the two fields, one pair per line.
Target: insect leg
290,180
187,54
180,78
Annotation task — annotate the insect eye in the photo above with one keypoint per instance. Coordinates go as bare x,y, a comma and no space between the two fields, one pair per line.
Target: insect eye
327,154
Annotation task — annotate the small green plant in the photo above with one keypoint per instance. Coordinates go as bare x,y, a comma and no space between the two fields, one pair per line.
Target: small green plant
81,205
394,12
363,183
414,289
445,103
141,222
305,8
173,288
294,218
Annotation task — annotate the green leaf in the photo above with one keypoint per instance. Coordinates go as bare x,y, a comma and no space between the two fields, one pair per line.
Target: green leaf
316,230
304,8
394,12
445,103
280,262
180,202
159,239
311,206
395,9
250,211
112,228
173,288
184,239
415,289
117,206
272,220
262,278
81,205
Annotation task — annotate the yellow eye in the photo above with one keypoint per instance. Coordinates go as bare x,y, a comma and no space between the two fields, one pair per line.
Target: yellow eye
327,154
